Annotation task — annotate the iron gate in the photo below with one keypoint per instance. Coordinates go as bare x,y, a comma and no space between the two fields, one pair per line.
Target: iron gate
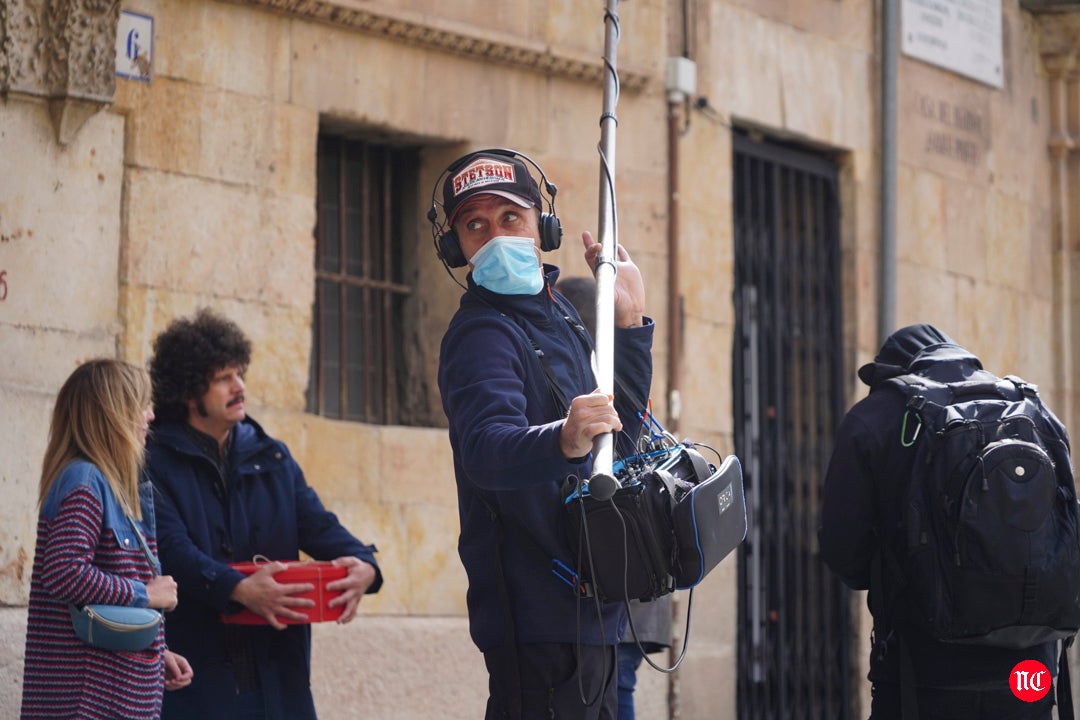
793,644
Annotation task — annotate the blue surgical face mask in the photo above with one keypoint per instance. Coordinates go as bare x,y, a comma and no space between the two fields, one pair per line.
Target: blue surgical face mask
508,266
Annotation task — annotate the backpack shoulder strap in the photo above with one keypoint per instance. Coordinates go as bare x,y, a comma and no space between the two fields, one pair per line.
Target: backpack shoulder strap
1028,389
925,401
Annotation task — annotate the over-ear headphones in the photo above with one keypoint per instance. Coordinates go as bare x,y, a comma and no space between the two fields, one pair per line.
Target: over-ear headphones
494,171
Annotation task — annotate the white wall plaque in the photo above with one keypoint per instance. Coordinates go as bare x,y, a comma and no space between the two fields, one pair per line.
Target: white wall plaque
134,46
963,36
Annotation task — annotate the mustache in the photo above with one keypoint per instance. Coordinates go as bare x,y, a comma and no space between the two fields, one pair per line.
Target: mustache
238,399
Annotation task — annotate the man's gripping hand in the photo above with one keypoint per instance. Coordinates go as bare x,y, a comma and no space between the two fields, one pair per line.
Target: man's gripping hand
266,597
590,415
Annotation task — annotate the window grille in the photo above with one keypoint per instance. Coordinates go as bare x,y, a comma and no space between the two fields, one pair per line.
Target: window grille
357,369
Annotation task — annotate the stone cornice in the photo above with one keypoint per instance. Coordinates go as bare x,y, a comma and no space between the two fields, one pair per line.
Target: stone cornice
453,37
1059,40
63,52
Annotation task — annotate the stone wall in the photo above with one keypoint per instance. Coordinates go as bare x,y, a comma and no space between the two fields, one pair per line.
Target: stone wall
197,188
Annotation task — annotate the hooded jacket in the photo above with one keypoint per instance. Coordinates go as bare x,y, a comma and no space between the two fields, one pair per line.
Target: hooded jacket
505,418
863,495
261,506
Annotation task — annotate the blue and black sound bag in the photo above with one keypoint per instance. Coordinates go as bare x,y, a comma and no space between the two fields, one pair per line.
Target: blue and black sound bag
709,521
625,544
665,528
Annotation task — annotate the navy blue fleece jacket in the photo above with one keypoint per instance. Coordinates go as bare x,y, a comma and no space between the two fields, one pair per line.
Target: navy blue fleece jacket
504,430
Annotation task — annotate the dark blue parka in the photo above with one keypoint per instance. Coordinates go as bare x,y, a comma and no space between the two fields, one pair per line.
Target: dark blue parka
504,430
263,507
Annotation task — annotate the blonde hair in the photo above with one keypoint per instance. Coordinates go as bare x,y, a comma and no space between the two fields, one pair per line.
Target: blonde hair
98,417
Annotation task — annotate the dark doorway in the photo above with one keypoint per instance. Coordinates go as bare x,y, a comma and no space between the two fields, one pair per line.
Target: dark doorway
793,643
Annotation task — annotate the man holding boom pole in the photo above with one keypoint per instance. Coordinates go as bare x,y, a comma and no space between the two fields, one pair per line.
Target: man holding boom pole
519,391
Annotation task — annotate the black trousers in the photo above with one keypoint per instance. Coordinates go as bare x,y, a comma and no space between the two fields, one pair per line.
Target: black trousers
936,704
546,681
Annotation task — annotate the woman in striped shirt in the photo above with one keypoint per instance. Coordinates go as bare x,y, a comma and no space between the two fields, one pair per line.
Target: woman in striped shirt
88,552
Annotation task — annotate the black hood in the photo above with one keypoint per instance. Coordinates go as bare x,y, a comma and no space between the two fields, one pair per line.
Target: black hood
899,349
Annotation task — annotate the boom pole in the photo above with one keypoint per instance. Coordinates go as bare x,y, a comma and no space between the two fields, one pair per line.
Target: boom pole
602,484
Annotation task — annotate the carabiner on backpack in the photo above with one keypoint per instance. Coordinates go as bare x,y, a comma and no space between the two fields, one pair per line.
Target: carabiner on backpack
904,442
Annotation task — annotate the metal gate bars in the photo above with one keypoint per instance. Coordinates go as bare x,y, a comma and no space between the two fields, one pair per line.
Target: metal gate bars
793,644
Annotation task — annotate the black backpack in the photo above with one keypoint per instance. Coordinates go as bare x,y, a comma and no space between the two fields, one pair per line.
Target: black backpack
991,527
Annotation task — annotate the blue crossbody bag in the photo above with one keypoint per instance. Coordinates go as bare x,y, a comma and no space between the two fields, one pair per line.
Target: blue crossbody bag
118,627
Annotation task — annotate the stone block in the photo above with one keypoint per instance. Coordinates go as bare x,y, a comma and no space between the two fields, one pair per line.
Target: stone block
1002,331
965,230
848,22
417,467
294,132
837,74
1008,245
163,131
278,253
195,235
739,40
703,690
235,137
12,652
643,41
480,101
59,224
281,344
920,228
944,123
23,435
40,358
147,311
435,583
924,294
1040,236
218,132
706,380
171,246
341,74
239,50
339,459
1037,361
397,669
964,329
1020,113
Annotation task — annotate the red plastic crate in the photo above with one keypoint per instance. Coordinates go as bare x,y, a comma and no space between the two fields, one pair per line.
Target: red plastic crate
317,572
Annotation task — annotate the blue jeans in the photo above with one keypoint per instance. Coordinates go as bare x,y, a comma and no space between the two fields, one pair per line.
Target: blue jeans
628,663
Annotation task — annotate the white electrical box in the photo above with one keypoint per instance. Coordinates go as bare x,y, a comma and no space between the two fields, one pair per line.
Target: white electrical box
681,81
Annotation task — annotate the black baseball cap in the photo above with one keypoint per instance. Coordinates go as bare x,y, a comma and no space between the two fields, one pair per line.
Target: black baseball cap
490,172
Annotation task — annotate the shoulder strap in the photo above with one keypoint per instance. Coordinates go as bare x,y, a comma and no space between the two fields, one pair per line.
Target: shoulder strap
558,568
586,341
557,394
155,566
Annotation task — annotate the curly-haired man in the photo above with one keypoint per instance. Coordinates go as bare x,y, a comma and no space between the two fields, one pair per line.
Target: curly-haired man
227,491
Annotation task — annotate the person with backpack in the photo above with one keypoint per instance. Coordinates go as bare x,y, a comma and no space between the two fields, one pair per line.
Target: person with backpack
950,497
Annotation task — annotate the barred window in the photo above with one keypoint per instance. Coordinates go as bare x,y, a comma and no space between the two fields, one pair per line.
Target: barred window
357,368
